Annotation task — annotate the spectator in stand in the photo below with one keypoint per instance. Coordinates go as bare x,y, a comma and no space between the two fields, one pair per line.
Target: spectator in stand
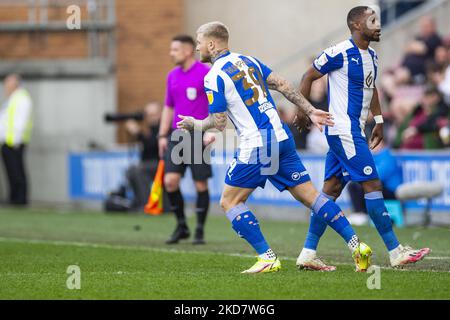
439,73
422,50
141,175
420,130
441,57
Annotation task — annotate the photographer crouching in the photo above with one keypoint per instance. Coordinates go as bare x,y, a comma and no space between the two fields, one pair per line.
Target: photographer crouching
140,176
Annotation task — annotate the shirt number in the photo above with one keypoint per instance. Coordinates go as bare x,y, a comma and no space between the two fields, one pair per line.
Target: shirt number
256,78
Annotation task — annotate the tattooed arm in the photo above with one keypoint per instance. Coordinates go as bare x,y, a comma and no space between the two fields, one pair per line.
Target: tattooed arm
318,117
214,120
275,82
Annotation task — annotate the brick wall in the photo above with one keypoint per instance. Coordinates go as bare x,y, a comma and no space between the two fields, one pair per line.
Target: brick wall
144,30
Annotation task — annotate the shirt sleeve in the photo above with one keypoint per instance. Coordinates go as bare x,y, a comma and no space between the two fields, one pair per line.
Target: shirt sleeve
266,71
215,91
169,99
329,60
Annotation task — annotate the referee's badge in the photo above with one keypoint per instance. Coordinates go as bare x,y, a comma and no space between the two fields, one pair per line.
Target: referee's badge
210,96
191,93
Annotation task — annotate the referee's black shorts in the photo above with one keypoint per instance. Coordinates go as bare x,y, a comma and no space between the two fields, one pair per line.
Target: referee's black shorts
177,161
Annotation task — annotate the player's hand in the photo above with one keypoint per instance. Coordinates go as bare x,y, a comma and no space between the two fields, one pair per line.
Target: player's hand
162,146
132,127
321,118
377,136
186,123
301,121
208,138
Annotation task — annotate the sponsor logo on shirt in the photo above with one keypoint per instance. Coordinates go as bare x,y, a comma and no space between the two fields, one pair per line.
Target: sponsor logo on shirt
265,106
210,96
297,175
369,80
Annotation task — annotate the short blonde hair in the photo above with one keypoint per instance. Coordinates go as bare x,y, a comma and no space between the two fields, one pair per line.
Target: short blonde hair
214,29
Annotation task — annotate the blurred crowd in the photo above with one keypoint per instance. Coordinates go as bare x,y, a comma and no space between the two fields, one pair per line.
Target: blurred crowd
417,91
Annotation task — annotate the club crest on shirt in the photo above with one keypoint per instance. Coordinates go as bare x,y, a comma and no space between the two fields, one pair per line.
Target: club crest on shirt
368,170
191,93
210,96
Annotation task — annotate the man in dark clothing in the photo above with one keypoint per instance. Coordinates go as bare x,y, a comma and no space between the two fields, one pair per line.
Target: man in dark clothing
420,51
141,174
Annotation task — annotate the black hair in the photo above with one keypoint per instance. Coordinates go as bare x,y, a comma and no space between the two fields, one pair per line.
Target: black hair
354,14
184,38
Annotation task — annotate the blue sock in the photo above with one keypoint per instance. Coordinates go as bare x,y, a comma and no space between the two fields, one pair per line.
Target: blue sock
333,215
380,217
317,226
247,226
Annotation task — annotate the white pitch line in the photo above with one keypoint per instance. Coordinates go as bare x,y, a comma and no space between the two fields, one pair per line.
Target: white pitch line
149,249
24,274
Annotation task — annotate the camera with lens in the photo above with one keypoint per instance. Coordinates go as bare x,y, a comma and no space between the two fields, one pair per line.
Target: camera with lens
119,117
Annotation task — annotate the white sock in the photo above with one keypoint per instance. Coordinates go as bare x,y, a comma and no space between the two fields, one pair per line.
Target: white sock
353,243
394,252
268,255
306,253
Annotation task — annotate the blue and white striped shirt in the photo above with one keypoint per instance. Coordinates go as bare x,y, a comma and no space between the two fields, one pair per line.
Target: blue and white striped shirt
236,84
351,81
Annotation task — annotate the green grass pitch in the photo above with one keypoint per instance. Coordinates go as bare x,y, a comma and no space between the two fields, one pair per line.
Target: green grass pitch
124,257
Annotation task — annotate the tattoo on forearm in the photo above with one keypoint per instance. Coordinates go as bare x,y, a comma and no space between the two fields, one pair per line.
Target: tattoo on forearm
215,120
220,120
283,86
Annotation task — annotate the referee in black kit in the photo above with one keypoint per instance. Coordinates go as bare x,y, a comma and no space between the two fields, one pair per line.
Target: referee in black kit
185,95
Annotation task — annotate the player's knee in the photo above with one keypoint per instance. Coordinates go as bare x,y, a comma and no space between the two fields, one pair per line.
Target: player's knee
225,204
228,202
171,184
201,186
333,190
326,208
372,185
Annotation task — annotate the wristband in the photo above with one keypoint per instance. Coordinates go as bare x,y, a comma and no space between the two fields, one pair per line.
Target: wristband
378,119
159,136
